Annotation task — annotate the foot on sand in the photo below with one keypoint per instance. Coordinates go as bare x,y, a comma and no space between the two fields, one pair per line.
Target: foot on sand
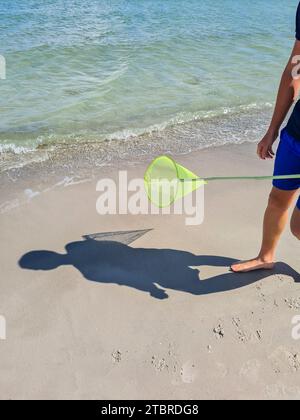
252,265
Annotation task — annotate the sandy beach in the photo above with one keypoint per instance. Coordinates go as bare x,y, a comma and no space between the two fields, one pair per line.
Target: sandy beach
149,308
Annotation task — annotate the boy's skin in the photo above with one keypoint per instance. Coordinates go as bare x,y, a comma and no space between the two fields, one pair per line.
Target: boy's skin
277,212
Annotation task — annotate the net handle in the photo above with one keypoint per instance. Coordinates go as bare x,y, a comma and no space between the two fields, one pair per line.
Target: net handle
236,178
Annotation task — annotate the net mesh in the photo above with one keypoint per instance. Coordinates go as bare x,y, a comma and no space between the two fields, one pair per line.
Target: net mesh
165,182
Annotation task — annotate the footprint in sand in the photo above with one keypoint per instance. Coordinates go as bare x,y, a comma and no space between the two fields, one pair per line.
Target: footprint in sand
219,332
293,303
116,356
284,360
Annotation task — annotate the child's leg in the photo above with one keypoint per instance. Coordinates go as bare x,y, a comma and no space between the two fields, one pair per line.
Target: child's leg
281,198
275,220
295,221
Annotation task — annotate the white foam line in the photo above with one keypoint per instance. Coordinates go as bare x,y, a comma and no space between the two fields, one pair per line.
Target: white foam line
9,205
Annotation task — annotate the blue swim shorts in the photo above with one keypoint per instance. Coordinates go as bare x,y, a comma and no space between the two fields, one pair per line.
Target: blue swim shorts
287,163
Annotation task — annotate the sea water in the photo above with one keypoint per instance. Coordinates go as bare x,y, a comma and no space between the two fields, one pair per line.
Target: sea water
191,72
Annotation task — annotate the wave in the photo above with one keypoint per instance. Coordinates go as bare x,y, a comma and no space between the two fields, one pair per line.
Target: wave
49,141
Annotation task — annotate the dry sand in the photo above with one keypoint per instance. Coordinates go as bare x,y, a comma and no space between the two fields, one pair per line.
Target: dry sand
211,334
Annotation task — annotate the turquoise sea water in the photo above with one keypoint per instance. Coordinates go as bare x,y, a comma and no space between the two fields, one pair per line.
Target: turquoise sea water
93,70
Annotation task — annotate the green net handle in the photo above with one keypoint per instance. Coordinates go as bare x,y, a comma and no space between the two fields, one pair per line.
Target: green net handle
237,178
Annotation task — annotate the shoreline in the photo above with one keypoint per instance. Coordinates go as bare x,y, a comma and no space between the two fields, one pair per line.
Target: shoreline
247,125
24,176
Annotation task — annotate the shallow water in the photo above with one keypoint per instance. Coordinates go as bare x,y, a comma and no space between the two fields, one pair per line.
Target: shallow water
91,71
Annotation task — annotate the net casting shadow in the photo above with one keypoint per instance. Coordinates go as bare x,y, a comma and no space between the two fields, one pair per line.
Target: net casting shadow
147,270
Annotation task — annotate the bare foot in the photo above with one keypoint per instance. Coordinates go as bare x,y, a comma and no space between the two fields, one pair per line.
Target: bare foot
252,265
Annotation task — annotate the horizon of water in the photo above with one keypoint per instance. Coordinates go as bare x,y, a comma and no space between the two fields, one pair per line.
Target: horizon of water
92,71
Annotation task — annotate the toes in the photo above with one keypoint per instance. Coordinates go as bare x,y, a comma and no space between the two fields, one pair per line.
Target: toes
251,266
235,268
